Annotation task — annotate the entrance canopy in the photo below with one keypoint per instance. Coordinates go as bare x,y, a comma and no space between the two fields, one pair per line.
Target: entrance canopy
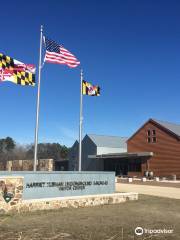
124,155
124,163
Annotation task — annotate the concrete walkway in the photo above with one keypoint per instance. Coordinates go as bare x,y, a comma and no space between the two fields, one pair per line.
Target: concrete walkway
168,192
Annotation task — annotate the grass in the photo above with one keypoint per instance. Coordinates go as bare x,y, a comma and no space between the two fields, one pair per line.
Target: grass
108,222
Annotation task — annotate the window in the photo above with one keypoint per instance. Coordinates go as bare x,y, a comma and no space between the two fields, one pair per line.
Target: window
149,132
151,136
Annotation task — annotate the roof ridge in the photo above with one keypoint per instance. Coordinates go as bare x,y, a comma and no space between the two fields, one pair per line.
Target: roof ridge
166,122
104,135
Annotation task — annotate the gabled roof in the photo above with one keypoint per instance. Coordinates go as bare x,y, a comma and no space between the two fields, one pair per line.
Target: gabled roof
108,141
172,128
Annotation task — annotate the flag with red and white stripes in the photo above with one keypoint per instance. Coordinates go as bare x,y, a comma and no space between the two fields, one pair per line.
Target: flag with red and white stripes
56,53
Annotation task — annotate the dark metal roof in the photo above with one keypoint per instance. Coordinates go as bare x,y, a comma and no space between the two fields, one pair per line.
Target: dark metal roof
122,155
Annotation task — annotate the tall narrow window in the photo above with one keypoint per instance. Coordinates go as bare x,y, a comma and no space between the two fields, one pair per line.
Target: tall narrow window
149,133
151,136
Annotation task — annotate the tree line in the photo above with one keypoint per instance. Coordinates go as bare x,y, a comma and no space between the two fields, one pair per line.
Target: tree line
10,150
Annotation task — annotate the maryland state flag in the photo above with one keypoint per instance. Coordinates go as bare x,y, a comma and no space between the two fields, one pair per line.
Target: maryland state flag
15,71
90,90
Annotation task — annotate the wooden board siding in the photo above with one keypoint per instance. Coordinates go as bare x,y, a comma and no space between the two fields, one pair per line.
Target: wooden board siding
166,159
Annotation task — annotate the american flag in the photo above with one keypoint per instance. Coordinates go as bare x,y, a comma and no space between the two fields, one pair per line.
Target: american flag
56,53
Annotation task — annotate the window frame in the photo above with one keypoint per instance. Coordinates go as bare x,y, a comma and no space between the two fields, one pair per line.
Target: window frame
148,132
151,136
153,132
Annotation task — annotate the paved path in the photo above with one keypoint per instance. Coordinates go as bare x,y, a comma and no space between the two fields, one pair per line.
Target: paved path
168,192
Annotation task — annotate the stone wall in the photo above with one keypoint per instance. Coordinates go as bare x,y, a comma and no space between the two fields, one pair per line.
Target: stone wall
75,201
27,165
2,165
11,192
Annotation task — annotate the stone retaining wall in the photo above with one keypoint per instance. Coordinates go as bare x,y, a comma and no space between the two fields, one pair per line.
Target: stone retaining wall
27,165
71,202
11,190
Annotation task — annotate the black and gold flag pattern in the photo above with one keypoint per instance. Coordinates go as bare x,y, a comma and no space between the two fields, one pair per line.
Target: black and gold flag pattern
15,71
90,90
24,78
6,62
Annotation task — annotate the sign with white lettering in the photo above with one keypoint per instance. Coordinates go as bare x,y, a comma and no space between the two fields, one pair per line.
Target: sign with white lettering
60,184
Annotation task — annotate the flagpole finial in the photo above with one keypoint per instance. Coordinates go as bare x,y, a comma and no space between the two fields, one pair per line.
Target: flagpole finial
41,28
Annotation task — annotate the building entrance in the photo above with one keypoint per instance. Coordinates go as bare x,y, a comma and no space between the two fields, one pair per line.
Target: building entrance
120,167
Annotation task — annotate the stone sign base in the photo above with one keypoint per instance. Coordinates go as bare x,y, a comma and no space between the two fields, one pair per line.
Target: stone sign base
12,200
11,190
70,202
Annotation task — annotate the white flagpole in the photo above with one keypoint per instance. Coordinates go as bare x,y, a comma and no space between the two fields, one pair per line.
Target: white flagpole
80,121
38,102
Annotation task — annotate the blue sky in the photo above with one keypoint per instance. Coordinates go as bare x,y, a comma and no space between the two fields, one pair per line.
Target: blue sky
130,48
